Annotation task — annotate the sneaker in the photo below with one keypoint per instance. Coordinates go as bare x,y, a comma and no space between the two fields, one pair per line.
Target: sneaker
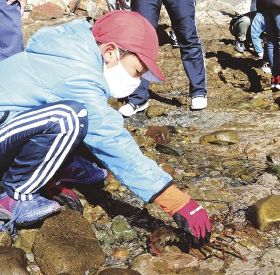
59,192
266,68
130,109
277,83
199,103
25,212
173,39
273,82
239,46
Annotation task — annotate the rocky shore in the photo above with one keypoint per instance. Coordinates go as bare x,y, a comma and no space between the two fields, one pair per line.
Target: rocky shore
226,157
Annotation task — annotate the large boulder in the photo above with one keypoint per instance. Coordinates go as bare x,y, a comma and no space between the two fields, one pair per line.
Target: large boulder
66,244
266,212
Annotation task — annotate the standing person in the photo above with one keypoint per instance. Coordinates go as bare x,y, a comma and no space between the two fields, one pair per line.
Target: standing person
11,37
76,67
182,16
271,12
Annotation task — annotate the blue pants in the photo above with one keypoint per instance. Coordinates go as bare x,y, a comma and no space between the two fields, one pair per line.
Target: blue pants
182,16
272,27
34,144
11,38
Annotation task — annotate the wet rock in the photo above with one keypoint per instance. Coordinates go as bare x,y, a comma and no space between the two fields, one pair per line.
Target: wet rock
114,103
105,236
47,11
26,239
121,253
118,271
273,161
5,239
66,244
122,230
168,168
168,263
190,174
144,141
170,150
266,212
159,134
112,184
155,111
12,261
220,138
92,214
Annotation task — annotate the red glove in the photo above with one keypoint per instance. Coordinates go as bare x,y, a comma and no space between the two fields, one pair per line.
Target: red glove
193,218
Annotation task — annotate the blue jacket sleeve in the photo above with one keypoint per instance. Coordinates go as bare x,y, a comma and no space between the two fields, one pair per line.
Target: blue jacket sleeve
257,28
112,144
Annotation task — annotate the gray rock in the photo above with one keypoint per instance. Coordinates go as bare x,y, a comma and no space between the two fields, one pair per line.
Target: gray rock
66,244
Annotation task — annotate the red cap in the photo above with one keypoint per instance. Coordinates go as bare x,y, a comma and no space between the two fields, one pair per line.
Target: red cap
132,32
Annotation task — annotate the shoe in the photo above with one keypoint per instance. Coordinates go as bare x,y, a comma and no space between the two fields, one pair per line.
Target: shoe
199,103
276,84
173,40
25,212
266,68
239,46
59,192
130,109
273,79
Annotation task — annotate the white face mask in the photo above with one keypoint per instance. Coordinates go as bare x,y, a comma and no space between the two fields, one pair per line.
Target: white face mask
120,82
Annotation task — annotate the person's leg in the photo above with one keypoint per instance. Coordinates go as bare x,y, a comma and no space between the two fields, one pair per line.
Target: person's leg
11,37
276,57
271,31
182,16
150,9
241,28
33,146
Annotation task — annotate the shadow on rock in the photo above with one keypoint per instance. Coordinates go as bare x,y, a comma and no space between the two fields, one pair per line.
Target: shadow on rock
135,216
245,65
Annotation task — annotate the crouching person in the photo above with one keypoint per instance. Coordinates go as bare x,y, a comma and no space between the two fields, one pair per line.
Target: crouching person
59,90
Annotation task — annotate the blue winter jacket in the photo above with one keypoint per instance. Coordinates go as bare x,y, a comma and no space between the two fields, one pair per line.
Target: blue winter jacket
64,62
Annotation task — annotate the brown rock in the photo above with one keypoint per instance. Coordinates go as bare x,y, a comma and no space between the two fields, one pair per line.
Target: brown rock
159,134
155,111
66,244
47,11
167,263
168,168
5,239
26,239
266,212
12,261
121,253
